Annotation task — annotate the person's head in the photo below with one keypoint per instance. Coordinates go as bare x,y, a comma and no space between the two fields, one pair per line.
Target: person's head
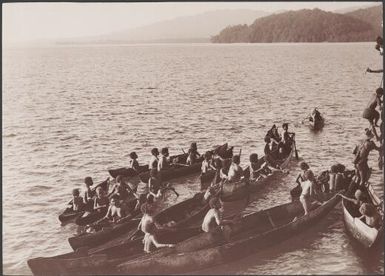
285,126
236,159
208,155
368,133
358,195
155,151
193,146
218,163
115,201
304,166
164,151
380,92
99,191
214,203
333,169
267,140
75,192
88,181
133,155
253,158
153,172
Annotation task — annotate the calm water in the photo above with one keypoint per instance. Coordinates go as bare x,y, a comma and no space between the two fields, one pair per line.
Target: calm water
69,112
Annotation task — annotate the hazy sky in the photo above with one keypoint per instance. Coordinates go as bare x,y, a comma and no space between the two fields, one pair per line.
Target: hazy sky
36,21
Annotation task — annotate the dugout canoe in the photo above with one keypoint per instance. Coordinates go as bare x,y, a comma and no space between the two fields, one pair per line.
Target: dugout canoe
367,236
107,233
270,227
184,215
68,215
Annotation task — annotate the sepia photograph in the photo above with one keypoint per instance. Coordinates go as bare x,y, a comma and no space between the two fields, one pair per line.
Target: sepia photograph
198,138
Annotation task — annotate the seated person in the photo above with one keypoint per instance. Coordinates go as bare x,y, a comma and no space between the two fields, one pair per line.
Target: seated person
121,189
89,194
235,171
77,201
269,156
213,217
369,212
133,163
358,199
257,168
275,139
101,201
193,154
207,163
116,210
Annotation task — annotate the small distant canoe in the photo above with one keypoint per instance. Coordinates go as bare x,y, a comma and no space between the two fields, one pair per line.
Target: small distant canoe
264,229
68,215
127,172
124,240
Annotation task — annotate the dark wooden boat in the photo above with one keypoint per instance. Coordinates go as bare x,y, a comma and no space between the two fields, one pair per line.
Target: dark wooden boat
265,229
127,172
317,124
107,233
367,236
89,218
68,215
126,243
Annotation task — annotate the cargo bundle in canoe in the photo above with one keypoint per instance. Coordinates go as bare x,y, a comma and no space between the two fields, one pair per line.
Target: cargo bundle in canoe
123,242
68,215
270,227
367,236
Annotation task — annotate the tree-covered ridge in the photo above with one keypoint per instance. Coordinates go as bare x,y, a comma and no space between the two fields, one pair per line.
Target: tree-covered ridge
306,26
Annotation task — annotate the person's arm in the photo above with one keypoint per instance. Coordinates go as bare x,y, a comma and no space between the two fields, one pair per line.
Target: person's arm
158,245
299,177
109,213
348,199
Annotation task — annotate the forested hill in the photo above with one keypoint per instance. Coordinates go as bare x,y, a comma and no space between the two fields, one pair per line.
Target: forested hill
307,26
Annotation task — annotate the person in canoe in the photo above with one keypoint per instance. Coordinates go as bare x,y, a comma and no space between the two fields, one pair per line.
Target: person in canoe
141,193
213,217
193,154
257,168
362,153
207,163
369,212
76,204
133,162
235,172
101,201
154,184
116,210
121,189
89,194
149,226
370,113
163,163
275,139
269,156
307,181
315,115
287,139
153,163
358,199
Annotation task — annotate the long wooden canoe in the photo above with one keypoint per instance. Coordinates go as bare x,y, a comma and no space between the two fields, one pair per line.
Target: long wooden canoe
267,228
129,243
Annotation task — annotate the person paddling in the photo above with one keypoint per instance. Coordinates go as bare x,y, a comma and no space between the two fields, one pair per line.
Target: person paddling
89,194
76,203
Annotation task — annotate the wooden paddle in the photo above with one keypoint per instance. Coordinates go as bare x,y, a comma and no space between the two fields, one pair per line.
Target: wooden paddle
295,149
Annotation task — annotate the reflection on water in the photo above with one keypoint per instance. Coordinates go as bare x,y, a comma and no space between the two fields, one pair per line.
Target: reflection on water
69,112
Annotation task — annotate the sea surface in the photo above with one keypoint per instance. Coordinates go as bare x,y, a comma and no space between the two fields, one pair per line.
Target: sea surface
76,111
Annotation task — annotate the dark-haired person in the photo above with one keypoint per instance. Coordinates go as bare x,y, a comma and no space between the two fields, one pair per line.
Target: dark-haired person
257,168
121,189
115,210
89,194
369,212
235,171
362,153
133,162
76,203
163,162
370,113
193,154
287,139
307,181
153,163
275,139
213,217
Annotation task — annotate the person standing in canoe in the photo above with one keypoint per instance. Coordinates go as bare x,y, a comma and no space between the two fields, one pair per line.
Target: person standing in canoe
370,113
193,154
101,201
149,226
153,163
287,139
76,203
141,193
163,163
121,189
275,139
133,162
207,163
269,158
362,153
307,181
154,184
